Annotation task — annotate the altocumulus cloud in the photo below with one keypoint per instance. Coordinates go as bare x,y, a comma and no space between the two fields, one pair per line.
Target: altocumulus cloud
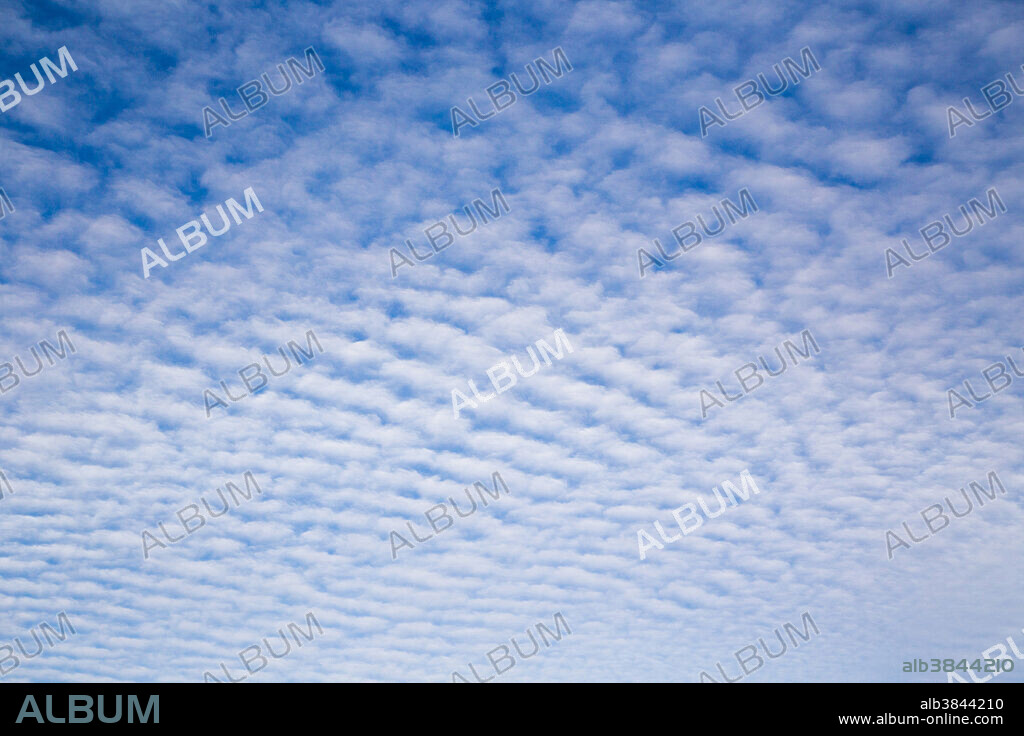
360,157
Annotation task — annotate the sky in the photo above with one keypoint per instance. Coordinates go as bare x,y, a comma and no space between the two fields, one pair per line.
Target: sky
607,437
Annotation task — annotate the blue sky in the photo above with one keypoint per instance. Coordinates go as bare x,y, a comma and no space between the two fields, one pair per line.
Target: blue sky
361,439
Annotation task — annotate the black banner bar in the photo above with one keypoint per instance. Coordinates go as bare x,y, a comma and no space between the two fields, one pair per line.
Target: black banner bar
266,706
